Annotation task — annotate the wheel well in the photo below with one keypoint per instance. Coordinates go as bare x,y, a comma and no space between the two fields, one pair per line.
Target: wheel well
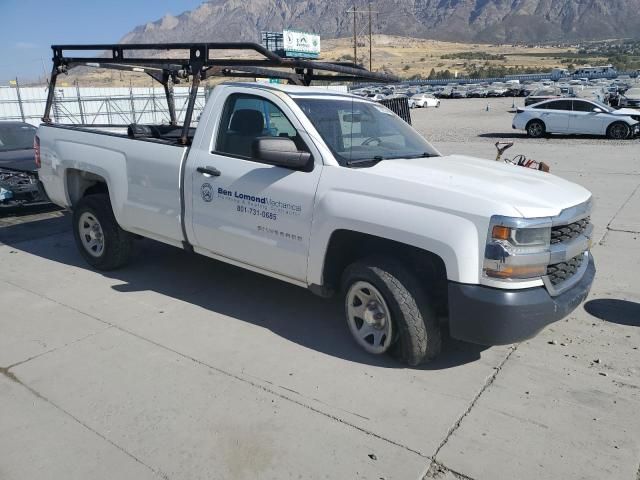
535,120
346,247
81,183
616,122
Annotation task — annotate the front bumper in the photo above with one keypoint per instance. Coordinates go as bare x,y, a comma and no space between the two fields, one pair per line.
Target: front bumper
492,316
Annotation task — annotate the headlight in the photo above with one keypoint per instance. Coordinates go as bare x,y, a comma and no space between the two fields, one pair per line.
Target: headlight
517,248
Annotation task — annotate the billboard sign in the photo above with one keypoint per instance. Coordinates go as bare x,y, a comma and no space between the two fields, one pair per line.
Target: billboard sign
301,42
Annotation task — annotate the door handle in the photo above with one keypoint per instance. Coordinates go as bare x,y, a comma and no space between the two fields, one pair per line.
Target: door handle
212,171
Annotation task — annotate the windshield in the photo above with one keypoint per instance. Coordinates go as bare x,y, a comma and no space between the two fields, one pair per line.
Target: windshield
358,131
16,136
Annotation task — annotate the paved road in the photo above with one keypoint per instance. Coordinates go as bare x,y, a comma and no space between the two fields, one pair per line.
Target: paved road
181,367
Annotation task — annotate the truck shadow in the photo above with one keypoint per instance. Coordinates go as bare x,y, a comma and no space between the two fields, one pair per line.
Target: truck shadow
288,311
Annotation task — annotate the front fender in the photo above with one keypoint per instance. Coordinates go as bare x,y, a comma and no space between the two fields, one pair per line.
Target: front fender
451,237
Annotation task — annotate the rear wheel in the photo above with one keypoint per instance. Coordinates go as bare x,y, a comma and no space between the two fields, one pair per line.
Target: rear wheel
618,131
536,129
101,241
388,311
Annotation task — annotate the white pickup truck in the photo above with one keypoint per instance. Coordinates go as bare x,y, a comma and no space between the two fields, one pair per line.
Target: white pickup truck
337,194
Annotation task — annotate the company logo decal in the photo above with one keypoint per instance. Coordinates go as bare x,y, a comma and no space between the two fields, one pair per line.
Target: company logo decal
206,192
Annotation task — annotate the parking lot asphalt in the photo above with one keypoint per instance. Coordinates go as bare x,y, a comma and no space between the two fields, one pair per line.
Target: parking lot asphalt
181,367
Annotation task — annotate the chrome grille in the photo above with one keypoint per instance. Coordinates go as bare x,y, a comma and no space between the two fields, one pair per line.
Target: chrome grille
561,272
565,233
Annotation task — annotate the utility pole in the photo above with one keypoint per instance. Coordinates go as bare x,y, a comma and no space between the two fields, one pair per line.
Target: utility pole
370,41
355,12
355,34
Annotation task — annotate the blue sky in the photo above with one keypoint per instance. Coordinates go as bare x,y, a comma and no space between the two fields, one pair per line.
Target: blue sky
28,28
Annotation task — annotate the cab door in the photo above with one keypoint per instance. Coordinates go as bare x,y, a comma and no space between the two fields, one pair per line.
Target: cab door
247,211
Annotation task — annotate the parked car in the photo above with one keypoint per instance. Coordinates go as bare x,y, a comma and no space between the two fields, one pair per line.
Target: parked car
577,116
376,97
497,90
19,184
16,146
631,98
477,92
548,93
444,93
423,100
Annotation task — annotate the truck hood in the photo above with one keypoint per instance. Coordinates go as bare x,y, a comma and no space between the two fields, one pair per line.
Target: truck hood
530,192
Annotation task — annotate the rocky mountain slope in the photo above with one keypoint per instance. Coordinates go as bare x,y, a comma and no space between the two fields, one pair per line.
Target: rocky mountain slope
504,21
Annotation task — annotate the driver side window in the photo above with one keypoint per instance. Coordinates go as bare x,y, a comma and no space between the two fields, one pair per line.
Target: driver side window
248,117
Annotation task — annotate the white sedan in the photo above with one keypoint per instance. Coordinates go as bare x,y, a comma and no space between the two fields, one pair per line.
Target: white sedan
578,117
423,100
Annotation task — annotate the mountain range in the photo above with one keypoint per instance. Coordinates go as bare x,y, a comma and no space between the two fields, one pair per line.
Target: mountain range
482,21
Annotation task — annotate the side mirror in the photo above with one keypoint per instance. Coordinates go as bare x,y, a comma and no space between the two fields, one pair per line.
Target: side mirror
597,110
281,151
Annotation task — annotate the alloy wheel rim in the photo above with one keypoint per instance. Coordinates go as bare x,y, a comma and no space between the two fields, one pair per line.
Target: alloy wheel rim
369,317
619,132
535,130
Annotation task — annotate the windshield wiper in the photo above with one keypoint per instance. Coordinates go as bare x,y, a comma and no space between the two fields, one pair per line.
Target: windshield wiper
360,161
420,155
379,158
409,157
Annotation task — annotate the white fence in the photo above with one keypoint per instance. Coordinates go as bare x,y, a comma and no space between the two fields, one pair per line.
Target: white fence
94,106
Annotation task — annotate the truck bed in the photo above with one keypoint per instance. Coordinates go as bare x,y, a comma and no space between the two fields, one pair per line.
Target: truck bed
142,174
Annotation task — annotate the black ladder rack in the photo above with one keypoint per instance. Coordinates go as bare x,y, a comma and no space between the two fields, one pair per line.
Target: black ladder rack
200,65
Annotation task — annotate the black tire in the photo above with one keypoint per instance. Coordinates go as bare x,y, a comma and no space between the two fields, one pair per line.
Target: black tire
536,129
618,131
117,243
417,337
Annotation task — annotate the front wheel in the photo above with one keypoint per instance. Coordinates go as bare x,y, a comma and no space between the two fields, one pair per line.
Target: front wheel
101,241
618,131
388,311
